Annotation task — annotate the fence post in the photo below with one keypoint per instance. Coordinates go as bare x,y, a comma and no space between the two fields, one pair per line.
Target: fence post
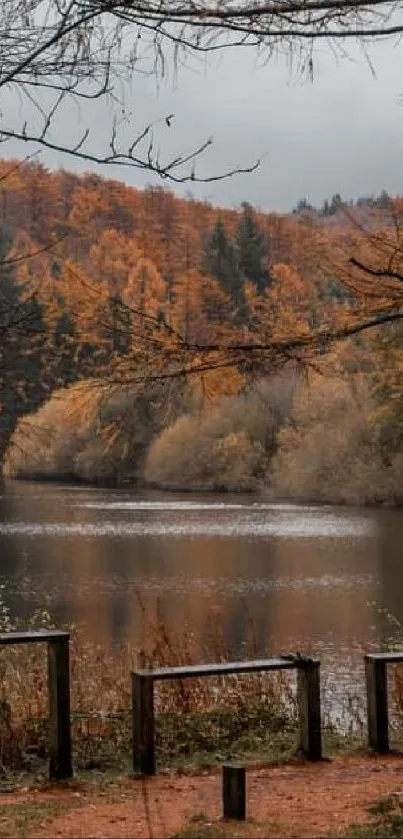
234,792
60,765
377,704
143,724
308,693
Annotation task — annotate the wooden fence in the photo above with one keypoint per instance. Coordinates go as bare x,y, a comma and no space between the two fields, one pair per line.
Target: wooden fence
60,764
143,744
308,696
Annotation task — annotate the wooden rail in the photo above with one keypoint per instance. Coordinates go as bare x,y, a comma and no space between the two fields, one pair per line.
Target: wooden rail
308,698
60,764
308,695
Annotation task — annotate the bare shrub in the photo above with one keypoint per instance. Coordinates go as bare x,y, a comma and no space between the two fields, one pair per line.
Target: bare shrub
241,713
89,434
198,453
99,436
225,447
46,444
327,452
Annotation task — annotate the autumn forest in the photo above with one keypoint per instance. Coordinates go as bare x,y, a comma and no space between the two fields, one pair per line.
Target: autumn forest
163,342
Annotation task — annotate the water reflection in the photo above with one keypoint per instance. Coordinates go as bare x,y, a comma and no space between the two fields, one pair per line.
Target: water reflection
307,576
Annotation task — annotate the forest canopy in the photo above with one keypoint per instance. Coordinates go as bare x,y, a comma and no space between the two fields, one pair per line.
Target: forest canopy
145,331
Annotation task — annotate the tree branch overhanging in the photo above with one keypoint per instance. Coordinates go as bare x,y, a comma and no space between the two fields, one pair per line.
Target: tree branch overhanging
80,49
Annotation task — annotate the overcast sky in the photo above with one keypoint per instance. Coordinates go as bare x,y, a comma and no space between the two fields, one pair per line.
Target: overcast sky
342,133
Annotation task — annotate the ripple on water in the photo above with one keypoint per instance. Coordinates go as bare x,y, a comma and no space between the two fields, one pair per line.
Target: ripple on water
298,525
191,505
181,585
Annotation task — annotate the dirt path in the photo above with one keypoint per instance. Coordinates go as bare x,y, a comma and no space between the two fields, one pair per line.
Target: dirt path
304,800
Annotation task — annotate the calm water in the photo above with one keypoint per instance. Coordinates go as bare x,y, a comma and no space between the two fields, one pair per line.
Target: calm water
309,576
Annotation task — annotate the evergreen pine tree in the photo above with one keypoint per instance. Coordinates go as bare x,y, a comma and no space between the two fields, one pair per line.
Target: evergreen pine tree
65,350
335,204
383,200
220,261
325,211
120,326
23,385
251,250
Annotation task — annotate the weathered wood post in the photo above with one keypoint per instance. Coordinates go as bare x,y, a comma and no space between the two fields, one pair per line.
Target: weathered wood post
234,792
143,724
377,704
60,765
308,694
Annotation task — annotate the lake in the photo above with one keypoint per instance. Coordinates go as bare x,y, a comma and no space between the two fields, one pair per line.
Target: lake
307,577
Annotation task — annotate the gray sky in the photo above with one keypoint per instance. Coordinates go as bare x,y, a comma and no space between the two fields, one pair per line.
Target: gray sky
342,133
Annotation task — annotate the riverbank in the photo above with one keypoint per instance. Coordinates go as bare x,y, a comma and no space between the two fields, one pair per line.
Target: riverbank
261,493
140,485
352,795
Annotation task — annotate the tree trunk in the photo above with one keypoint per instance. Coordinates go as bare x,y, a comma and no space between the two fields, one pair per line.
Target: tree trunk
8,425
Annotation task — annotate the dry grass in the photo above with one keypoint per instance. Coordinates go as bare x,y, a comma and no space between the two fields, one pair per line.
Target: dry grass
200,719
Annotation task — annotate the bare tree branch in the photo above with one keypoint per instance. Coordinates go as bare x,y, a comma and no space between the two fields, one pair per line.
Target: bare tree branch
79,49
377,272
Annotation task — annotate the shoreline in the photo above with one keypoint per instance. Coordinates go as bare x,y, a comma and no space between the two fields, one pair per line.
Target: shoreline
263,493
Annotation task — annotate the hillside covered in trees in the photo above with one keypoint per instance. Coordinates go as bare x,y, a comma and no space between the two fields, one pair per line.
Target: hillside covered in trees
102,285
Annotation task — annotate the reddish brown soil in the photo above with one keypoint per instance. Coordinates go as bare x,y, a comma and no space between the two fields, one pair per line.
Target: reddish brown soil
297,800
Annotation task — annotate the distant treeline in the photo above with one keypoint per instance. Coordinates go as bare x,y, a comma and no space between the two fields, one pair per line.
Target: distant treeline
332,206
